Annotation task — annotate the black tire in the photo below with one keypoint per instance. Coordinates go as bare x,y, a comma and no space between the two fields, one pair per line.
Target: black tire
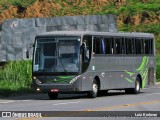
52,95
136,89
128,90
102,92
94,92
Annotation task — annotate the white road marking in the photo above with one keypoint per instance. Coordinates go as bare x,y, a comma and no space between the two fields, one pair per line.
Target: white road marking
4,102
66,103
152,94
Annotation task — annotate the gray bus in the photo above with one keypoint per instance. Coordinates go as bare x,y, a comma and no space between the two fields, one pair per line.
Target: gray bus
93,62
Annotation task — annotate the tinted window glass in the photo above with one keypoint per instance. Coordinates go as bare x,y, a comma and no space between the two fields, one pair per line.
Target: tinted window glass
151,46
129,46
97,46
139,46
109,45
119,45
49,49
147,46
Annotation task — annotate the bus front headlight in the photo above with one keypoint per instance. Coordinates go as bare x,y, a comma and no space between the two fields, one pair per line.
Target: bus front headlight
36,80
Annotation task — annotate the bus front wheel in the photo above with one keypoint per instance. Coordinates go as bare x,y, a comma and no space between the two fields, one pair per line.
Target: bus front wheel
93,93
52,95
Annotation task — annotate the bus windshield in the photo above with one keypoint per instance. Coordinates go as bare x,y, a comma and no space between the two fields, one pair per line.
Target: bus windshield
57,54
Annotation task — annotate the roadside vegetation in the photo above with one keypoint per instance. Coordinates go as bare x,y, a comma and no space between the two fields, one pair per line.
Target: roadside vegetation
158,59
132,16
5,4
15,78
158,68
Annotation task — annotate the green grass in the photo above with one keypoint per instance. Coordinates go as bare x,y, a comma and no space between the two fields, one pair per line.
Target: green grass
130,8
147,28
158,59
5,4
22,3
15,78
158,67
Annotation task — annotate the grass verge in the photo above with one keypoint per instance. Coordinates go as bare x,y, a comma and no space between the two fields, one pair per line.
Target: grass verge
158,68
15,78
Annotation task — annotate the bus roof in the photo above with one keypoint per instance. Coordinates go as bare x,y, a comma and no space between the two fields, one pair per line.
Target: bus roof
95,33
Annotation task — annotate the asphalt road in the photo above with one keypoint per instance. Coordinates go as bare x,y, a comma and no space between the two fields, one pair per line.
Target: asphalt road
147,100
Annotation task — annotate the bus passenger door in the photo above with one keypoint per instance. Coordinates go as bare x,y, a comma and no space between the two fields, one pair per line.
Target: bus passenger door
86,50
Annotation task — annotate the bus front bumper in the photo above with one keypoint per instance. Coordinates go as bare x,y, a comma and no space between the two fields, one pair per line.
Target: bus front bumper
60,88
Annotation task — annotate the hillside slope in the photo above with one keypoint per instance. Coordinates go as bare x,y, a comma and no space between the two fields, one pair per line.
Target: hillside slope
132,15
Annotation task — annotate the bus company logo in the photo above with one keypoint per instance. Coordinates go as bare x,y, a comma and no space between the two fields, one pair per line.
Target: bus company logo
6,114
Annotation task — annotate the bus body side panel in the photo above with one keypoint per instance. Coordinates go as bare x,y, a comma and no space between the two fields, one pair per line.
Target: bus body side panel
114,68
117,72
87,80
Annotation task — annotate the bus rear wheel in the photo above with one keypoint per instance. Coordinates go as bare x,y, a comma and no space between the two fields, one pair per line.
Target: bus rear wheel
93,93
136,89
52,95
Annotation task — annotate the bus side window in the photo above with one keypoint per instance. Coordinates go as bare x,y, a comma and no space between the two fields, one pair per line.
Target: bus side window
123,46
139,46
119,45
109,46
151,46
147,46
129,49
97,46
133,46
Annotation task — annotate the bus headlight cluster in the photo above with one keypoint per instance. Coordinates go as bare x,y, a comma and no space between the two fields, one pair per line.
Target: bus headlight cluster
36,79
74,79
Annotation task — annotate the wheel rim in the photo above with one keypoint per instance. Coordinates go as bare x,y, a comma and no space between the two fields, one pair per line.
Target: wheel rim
95,88
137,86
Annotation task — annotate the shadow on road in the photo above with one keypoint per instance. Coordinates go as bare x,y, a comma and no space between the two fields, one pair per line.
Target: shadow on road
44,96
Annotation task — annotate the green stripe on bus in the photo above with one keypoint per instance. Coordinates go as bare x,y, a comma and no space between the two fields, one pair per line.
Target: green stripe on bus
144,80
142,64
128,80
64,77
130,73
144,73
144,68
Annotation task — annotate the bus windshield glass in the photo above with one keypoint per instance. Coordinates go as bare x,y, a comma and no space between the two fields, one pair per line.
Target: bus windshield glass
57,54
